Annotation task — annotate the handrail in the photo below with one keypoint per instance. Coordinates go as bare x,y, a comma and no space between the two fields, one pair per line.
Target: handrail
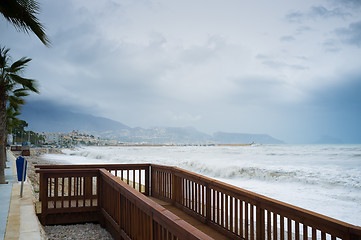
136,175
239,213
93,194
71,192
233,211
139,217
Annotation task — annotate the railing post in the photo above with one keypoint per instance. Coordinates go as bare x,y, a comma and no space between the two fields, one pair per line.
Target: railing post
174,188
260,224
100,199
208,204
88,185
44,196
40,186
147,172
152,181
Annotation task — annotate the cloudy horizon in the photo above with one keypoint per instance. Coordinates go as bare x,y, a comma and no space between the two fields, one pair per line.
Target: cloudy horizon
289,69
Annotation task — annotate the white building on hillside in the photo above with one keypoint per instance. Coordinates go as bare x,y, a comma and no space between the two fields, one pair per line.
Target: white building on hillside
53,138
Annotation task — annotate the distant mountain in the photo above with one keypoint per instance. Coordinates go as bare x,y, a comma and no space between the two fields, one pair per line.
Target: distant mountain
46,117
222,137
165,135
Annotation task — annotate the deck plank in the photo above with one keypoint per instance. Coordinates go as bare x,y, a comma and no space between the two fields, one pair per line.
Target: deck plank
191,220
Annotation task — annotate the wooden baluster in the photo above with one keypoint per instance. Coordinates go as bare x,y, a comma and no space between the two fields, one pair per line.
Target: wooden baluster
236,221
69,190
214,206
208,204
231,222
275,226
189,194
195,197
56,192
128,176
76,182
84,189
323,236
222,223
199,210
305,232
228,213
260,218
282,230
289,229
140,180
269,224
252,221
241,226
134,178
246,220
147,171
220,208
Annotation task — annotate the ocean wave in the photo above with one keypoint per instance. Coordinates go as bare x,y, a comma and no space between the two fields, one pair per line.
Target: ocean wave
277,172
313,176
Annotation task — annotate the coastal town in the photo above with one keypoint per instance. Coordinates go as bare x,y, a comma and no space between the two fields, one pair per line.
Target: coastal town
51,139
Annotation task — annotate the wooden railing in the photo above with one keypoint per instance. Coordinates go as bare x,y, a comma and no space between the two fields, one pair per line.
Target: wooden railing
135,175
234,212
241,214
95,194
69,195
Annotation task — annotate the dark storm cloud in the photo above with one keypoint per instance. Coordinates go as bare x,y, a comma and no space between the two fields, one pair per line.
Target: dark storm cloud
344,94
351,34
339,106
321,11
316,12
162,63
347,3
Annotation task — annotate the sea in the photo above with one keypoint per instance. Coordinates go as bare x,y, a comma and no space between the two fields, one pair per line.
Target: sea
322,178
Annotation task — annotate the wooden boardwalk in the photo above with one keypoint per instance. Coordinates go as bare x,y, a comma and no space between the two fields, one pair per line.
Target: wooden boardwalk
191,220
149,201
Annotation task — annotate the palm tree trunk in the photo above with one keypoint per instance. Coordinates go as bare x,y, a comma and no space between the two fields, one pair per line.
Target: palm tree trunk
3,137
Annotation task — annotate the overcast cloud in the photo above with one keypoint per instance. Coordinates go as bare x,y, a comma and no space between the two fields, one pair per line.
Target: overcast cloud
290,69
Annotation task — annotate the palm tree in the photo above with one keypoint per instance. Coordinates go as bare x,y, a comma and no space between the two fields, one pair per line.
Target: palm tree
22,14
13,88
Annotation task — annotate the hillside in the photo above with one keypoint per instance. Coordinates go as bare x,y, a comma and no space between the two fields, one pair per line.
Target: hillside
47,117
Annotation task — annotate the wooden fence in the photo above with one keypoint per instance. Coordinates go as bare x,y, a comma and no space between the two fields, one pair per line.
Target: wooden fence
97,195
234,212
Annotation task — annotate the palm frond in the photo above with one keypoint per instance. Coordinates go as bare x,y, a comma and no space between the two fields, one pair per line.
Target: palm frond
22,14
25,82
18,65
16,102
22,92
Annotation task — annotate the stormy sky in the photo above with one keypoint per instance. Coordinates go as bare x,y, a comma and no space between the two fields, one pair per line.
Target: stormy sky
291,69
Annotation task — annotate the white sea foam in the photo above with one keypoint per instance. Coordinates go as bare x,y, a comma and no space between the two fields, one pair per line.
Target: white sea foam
322,178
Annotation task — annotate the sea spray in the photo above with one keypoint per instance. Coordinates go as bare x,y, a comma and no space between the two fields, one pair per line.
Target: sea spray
322,178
